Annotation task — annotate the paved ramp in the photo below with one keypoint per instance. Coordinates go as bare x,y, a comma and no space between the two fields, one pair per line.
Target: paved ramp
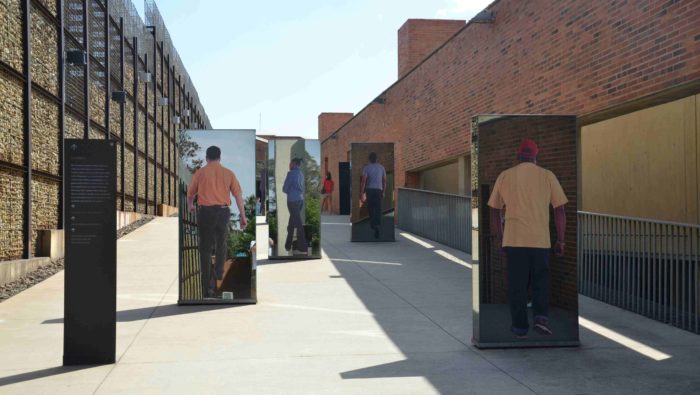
391,318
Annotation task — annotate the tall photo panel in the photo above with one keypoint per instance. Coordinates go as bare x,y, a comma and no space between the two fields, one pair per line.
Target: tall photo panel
294,198
372,191
531,300
217,217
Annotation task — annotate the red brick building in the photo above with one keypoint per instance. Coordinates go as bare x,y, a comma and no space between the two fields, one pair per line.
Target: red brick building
594,59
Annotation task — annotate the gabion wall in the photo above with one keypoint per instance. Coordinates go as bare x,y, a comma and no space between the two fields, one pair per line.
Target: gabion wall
31,174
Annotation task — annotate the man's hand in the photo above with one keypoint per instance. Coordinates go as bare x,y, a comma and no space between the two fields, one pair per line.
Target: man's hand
190,206
559,248
244,222
499,245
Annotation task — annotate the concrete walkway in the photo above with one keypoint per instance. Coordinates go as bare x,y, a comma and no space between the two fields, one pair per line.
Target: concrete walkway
392,318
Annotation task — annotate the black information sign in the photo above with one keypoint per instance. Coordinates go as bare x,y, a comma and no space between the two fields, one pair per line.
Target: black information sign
90,252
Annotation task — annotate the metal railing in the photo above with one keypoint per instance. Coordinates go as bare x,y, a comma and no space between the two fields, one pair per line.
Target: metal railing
441,217
645,266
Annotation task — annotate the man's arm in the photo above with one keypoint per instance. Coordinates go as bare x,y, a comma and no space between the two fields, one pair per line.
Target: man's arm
384,183
497,225
241,210
192,192
363,183
300,182
235,190
496,203
560,223
285,187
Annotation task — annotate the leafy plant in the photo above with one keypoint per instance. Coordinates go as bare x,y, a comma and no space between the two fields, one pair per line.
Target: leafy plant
239,241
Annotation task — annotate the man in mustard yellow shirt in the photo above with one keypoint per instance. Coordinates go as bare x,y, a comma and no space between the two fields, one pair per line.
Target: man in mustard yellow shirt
212,185
526,191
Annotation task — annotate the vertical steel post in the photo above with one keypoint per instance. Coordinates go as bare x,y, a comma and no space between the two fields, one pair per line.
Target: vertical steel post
62,107
108,79
135,96
122,109
145,134
155,123
86,68
162,126
27,119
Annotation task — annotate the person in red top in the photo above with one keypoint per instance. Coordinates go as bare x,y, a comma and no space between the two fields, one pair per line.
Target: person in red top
327,193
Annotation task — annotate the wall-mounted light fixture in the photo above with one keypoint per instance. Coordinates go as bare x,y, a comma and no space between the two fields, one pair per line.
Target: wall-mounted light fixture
187,112
162,101
484,16
176,120
119,96
145,77
76,58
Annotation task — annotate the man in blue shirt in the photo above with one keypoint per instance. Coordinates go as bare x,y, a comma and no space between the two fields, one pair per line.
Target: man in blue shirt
294,188
374,185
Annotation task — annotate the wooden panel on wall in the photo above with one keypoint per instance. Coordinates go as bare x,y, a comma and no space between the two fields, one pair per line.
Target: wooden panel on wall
637,164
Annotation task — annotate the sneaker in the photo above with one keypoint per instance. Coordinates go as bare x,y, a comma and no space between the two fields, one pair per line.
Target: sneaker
297,252
542,327
519,333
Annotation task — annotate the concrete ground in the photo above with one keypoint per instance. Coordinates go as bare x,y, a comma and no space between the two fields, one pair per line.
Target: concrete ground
390,318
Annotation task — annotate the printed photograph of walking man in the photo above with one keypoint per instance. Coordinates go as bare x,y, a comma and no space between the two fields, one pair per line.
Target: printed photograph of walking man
295,188
522,196
220,204
525,260
372,167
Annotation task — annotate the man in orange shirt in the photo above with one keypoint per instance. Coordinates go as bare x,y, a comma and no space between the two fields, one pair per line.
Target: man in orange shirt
212,185
526,191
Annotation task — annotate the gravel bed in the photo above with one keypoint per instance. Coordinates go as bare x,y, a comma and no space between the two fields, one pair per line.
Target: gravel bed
11,289
133,226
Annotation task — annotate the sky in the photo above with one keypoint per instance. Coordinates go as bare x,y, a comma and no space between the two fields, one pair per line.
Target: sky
274,66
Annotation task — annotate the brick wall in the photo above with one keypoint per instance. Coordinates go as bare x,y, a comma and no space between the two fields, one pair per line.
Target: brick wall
498,143
418,38
568,57
329,122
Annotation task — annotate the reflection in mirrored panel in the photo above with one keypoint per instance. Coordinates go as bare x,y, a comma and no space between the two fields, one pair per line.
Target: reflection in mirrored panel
294,198
372,187
217,216
523,248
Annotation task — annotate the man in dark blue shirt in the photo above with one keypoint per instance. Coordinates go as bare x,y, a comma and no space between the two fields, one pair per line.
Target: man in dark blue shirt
294,188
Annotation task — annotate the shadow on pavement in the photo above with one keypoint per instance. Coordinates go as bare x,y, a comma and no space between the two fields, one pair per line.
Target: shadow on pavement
144,313
440,292
40,374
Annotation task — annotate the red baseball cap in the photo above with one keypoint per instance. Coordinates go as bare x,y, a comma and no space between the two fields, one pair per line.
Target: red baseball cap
528,148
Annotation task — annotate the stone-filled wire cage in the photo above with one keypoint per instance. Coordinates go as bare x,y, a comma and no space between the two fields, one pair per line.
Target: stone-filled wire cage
86,69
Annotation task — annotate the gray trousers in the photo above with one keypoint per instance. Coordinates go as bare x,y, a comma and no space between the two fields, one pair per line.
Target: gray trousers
295,222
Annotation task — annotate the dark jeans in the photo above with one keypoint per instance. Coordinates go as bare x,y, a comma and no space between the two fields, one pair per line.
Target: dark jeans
527,265
374,206
295,222
213,223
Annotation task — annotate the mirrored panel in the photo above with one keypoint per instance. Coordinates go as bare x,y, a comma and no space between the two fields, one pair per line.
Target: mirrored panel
523,248
217,216
294,198
372,188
